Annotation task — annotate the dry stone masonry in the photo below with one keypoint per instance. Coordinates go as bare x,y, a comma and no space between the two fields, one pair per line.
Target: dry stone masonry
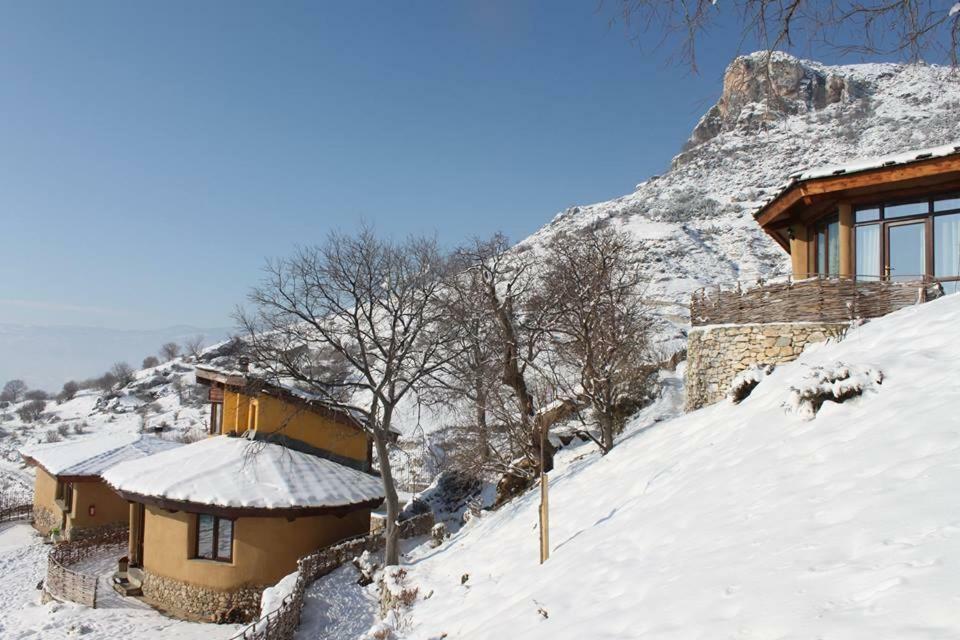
715,354
237,606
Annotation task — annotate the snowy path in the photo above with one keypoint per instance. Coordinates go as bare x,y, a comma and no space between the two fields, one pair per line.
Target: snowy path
336,608
23,558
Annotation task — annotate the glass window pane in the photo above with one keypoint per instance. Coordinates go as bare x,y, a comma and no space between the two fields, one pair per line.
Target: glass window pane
821,252
833,244
867,215
868,252
224,539
907,251
205,536
946,250
946,205
909,209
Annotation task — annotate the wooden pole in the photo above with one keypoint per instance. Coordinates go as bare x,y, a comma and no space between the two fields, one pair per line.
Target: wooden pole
544,519
544,501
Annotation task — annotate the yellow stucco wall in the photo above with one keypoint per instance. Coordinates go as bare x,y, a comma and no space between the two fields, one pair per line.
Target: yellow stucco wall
264,549
110,507
294,421
45,495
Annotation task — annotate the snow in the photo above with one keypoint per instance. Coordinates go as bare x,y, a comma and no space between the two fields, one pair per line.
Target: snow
93,455
881,161
337,608
235,472
738,521
23,559
865,164
272,597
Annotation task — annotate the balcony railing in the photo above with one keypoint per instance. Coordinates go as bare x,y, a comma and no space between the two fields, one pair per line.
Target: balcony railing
809,299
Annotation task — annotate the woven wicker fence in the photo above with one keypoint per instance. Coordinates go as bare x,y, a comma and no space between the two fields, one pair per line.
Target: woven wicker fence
281,624
16,512
814,299
64,583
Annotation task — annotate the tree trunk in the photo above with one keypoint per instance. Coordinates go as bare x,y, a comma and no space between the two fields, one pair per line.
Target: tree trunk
391,534
606,432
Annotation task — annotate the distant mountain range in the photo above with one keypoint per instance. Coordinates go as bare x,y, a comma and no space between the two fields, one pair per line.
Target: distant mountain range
47,356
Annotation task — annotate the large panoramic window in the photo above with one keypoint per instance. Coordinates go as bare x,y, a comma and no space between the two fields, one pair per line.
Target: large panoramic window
214,538
909,240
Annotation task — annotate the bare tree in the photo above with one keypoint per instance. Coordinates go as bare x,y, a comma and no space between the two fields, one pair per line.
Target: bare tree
598,324
106,382
36,394
149,362
69,390
169,351
373,305
910,28
194,346
123,373
31,411
503,282
13,391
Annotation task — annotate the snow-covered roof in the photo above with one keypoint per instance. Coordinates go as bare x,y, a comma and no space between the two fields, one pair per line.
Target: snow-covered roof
863,164
93,455
231,472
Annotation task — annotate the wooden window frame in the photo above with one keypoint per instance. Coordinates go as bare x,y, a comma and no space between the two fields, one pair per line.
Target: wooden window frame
216,418
815,228
253,415
65,495
885,223
215,538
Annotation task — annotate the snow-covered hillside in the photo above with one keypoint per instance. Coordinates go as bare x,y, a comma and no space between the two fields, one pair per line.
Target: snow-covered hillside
695,221
46,357
738,521
164,399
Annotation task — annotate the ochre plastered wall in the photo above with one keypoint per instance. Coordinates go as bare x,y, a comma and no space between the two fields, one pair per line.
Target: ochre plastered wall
294,421
265,549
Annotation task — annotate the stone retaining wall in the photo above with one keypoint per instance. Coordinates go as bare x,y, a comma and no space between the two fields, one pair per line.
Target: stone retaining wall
75,534
241,605
715,354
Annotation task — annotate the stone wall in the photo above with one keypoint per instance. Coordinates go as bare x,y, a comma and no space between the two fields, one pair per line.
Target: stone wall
715,354
106,531
241,605
44,519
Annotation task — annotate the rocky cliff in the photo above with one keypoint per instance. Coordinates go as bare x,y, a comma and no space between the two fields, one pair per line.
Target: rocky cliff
774,117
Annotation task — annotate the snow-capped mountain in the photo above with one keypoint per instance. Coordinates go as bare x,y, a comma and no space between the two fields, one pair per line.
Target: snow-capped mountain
695,223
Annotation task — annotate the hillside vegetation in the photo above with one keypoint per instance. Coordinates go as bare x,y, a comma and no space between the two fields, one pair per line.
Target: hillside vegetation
738,521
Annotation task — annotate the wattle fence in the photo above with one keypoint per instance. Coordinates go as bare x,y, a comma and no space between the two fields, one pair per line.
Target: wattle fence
16,512
64,583
281,623
812,299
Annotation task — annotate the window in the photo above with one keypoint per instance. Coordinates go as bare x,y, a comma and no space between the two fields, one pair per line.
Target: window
868,252
908,209
214,538
253,415
909,240
828,247
216,417
65,495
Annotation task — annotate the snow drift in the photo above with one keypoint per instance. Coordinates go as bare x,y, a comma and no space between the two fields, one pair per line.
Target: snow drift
739,521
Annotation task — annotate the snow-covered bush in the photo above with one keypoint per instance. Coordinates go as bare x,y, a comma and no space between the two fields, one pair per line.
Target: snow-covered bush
746,381
837,383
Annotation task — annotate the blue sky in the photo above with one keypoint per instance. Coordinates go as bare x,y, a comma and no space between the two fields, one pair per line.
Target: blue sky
155,153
